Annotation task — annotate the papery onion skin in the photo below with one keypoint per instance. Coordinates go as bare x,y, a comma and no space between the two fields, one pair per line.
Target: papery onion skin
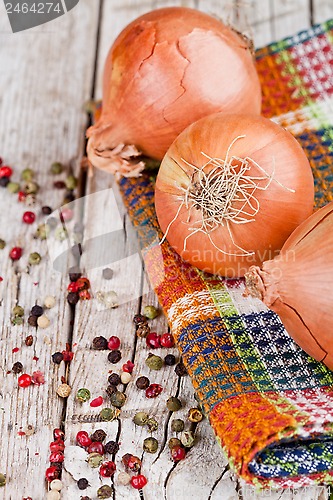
167,69
297,285
281,210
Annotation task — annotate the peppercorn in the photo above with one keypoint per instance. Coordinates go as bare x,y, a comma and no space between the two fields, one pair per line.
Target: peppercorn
187,439
142,383
114,356
56,484
153,391
99,343
27,174
34,258
143,330
74,273
85,498
53,495
59,185
139,319
4,181
118,399
18,311
69,197
173,404
43,231
107,273
140,418
111,447
17,320
31,187
154,362
13,187
43,321
177,425
56,168
83,395
180,369
46,210
108,414
99,435
114,379
30,199
49,301
150,445
95,459
195,415
152,424
170,360
32,320
104,491
64,390
71,182
111,389
150,312
73,298
2,480
123,478
83,483
2,244
174,442
57,357
17,367
37,311
125,378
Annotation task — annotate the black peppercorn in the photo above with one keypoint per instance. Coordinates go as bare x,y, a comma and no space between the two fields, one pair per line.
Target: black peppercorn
4,181
32,320
111,447
142,330
57,358
74,273
37,311
17,367
139,319
180,369
46,210
59,184
99,343
82,483
114,379
99,435
114,356
170,360
29,340
107,273
142,383
85,498
73,298
110,390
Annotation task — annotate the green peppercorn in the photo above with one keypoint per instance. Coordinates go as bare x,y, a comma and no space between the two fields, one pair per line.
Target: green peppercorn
71,182
174,442
27,174
118,399
152,424
104,491
94,460
43,230
173,404
187,439
150,312
17,320
56,168
140,418
177,425
18,311
83,395
150,445
2,480
31,187
154,362
2,244
34,258
195,415
108,414
60,234
13,187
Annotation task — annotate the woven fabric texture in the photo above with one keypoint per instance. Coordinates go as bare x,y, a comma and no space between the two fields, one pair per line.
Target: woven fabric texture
269,403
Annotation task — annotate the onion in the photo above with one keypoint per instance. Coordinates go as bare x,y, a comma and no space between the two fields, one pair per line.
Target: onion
230,190
167,69
297,285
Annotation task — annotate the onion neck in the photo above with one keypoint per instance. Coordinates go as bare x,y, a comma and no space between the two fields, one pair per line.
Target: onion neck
263,284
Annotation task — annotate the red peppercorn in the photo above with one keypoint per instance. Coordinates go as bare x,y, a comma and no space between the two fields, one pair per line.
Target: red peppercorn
96,447
83,283
5,171
128,367
57,456
84,295
153,340
178,453
57,445
24,380
66,214
96,402
58,434
52,473
21,196
67,355
16,253
114,343
72,287
132,462
153,391
107,469
28,217
83,439
167,340
138,482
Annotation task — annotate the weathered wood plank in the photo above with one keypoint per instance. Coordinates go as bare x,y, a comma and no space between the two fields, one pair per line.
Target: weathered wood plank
322,10
41,121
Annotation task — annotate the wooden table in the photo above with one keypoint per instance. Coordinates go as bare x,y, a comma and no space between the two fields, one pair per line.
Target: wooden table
47,74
